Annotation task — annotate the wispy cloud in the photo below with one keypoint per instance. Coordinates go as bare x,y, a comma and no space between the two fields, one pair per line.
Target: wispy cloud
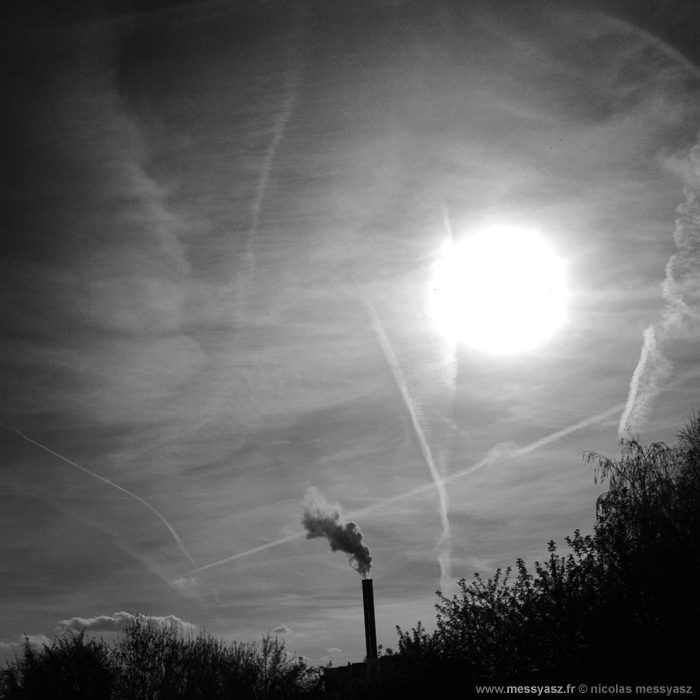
680,321
624,27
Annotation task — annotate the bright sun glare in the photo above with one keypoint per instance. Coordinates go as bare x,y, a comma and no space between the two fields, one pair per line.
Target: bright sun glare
500,290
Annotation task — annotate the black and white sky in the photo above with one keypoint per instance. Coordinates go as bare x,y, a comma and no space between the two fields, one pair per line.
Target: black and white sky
220,226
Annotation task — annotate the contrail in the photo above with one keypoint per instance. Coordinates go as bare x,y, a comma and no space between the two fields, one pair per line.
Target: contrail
514,452
682,273
111,483
679,321
424,488
447,222
248,552
444,544
268,162
651,373
278,132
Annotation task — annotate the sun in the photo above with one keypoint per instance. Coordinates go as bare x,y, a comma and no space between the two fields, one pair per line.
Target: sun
500,290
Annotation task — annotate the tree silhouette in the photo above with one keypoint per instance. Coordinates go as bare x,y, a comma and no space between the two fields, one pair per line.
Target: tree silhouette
151,661
623,605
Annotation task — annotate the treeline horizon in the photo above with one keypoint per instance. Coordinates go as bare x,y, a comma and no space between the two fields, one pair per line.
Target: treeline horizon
623,607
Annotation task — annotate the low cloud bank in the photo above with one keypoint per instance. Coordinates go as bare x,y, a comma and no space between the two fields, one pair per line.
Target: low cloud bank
118,622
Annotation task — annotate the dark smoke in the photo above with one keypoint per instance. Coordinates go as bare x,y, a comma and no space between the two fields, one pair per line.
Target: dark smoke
322,519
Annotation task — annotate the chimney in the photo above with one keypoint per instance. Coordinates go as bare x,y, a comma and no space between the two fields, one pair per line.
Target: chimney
370,628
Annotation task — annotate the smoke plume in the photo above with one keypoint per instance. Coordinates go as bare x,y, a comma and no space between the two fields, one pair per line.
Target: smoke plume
322,519
680,321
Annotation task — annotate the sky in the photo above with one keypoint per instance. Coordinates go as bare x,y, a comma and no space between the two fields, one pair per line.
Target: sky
221,222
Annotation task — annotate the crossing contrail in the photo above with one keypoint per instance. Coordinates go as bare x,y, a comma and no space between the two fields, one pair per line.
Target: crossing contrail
444,543
111,483
424,488
514,452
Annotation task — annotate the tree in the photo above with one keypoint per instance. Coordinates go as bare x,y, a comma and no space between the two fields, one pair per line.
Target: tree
151,661
72,668
159,662
648,544
622,605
